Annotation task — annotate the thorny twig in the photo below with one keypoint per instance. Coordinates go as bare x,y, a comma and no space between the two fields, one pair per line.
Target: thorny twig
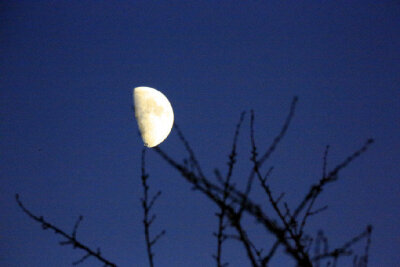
289,224
363,261
308,212
201,183
290,235
332,176
343,250
70,239
221,237
213,192
272,147
148,219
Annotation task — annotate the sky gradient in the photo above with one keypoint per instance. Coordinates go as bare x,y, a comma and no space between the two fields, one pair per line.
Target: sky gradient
69,143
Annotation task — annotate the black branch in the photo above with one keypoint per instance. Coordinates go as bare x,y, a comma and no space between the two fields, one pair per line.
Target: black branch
221,215
70,239
147,204
286,225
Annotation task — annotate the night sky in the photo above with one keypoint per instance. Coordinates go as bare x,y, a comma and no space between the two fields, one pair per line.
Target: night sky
69,142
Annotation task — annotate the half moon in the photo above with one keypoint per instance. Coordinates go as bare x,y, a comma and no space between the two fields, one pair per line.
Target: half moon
154,115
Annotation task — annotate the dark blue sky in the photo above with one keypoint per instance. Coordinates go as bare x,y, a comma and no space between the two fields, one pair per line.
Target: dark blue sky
69,142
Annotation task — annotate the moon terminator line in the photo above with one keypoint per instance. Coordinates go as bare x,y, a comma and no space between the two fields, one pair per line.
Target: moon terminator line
154,115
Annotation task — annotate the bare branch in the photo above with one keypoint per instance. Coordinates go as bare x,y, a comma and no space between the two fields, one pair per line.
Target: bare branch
281,134
332,176
70,239
208,188
290,235
221,215
148,219
192,156
325,161
345,250
77,225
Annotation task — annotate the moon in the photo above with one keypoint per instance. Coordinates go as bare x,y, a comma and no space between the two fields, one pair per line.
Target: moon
154,115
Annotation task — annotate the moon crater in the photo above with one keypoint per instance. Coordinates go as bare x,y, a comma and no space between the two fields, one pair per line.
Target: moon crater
154,115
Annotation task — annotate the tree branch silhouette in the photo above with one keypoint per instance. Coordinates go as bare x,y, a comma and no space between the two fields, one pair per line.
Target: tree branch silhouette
70,239
345,249
284,224
288,230
148,219
222,225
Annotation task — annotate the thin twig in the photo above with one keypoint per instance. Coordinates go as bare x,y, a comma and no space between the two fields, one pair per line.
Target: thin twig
331,176
221,215
288,235
148,219
290,225
71,239
344,250
205,186
274,144
192,156
281,134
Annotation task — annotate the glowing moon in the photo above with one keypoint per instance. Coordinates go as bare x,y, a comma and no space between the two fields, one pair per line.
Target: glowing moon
154,115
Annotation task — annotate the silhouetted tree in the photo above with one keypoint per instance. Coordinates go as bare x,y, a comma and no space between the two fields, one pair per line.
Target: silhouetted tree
285,224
